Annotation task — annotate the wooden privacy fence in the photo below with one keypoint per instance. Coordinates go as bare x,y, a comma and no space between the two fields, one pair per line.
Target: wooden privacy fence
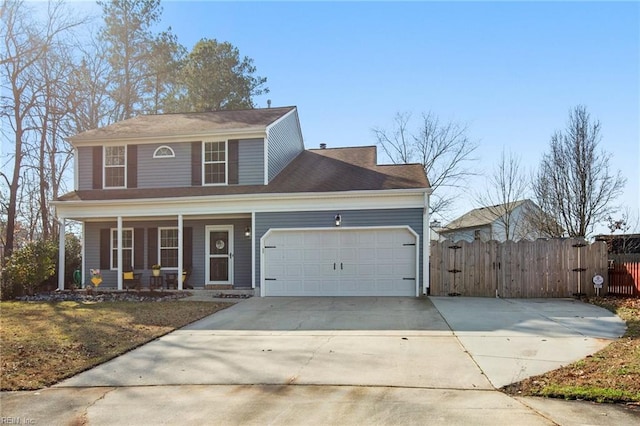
624,279
526,269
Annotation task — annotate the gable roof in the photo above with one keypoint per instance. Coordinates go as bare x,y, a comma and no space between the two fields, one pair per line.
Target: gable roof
366,156
346,169
318,170
483,216
186,123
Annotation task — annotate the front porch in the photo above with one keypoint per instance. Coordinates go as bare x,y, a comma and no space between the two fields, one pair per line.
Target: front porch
213,252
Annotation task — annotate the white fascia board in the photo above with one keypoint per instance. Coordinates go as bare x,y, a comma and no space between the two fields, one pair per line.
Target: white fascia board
246,133
241,204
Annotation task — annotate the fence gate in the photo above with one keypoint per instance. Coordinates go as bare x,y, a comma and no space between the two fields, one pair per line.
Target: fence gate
526,269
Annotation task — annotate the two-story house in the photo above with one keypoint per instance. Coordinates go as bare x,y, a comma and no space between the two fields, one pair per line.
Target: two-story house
514,221
234,198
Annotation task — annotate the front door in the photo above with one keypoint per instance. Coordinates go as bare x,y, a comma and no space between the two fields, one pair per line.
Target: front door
219,252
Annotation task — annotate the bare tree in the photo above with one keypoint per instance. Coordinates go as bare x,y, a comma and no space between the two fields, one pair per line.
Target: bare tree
504,198
443,148
50,155
25,43
91,106
574,182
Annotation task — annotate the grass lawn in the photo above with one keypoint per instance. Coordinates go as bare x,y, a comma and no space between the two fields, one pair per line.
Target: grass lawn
43,343
611,375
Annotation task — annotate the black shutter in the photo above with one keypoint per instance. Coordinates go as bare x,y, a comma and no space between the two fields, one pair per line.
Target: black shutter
105,249
152,254
196,163
187,247
132,166
138,248
97,167
232,160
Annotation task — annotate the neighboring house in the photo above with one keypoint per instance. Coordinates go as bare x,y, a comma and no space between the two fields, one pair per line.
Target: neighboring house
621,243
492,222
236,199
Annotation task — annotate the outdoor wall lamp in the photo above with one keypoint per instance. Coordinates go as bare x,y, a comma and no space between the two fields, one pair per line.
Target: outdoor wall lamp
338,219
247,232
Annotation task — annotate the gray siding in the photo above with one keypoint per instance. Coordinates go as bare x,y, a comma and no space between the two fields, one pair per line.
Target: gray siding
285,143
92,253
164,172
241,259
251,162
85,167
350,218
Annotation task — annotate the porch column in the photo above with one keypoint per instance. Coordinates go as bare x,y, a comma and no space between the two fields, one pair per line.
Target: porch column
426,244
253,250
119,272
61,253
180,252
84,257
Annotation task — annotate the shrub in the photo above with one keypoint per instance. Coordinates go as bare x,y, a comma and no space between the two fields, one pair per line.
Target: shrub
29,266
73,256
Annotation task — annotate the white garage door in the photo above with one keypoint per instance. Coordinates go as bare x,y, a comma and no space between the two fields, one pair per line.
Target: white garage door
340,262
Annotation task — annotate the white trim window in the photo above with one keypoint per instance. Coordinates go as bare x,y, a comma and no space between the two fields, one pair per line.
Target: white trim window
214,170
127,249
164,151
168,247
115,166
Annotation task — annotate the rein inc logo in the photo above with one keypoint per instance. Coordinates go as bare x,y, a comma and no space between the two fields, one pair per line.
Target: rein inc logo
17,421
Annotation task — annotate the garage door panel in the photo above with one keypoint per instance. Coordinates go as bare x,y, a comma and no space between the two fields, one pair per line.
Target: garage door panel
323,254
348,255
292,254
367,262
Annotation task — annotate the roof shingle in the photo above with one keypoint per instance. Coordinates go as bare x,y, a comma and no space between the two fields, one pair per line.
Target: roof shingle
187,123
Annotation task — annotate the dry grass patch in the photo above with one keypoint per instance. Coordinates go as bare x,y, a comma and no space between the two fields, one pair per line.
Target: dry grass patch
43,343
611,375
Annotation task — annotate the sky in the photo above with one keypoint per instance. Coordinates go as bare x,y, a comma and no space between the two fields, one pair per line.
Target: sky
510,71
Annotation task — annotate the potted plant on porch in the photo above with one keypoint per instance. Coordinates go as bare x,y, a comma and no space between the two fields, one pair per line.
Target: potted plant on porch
155,270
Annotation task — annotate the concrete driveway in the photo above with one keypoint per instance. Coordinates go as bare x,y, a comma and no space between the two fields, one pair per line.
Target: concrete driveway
352,361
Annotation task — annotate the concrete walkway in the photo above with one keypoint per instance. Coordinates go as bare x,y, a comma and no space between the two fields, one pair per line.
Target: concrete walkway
342,361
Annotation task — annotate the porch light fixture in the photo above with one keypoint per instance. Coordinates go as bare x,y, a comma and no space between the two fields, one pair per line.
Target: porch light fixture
247,232
338,219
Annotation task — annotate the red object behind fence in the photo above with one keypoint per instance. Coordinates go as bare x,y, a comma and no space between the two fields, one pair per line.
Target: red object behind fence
624,279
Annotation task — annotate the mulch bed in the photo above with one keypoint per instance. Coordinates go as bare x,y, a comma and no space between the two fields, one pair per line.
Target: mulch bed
107,296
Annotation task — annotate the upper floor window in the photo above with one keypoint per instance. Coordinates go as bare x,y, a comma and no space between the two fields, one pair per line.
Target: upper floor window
127,249
215,163
164,152
115,166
